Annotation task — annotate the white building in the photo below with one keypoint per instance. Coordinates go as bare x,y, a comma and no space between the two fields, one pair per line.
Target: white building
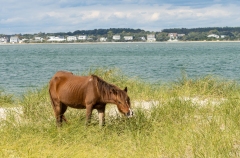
56,39
50,37
3,39
71,38
180,35
172,36
38,39
151,38
103,39
128,38
23,40
116,37
14,39
82,37
213,35
223,36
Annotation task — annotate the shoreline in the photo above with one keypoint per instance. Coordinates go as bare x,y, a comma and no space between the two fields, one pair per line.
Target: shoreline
122,42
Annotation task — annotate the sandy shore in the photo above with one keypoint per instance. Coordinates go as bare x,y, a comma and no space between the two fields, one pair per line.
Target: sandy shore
112,111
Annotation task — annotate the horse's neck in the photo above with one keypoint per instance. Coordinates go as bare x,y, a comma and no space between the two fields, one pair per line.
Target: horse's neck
110,99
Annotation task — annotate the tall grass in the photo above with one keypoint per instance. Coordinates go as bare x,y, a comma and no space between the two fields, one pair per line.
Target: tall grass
5,99
175,127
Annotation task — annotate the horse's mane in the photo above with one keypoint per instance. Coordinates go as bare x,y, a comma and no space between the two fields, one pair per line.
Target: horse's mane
105,89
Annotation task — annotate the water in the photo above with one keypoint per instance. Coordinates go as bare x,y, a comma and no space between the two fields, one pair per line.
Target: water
32,65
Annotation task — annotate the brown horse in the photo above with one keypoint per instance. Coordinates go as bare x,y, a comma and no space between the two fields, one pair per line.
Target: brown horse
85,92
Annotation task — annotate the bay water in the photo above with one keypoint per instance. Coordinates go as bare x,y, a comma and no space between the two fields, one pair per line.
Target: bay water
24,66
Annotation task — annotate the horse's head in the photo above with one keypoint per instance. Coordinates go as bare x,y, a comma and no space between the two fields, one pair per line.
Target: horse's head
123,103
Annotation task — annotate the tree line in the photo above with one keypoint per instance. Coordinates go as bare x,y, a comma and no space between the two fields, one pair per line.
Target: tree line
190,34
198,34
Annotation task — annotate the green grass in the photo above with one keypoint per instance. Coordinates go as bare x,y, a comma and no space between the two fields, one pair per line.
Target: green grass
174,128
5,99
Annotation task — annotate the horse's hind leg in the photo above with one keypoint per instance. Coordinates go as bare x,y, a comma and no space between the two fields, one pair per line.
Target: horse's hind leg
57,111
63,110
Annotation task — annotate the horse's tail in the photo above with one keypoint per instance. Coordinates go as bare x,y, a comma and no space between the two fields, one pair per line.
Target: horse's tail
52,102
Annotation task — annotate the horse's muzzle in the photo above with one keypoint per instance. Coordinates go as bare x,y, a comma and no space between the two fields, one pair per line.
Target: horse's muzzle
130,113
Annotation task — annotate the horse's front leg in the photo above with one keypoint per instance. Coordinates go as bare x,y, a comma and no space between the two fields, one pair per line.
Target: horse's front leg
101,116
88,114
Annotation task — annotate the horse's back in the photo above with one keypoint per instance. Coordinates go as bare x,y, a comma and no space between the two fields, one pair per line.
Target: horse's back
62,74
59,78
63,80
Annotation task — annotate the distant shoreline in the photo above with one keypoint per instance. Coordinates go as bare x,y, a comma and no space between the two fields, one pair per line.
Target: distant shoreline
123,42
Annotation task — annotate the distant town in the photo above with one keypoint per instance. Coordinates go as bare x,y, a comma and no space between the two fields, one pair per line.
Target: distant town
127,35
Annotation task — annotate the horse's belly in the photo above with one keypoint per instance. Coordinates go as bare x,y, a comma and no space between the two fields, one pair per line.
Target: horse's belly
78,106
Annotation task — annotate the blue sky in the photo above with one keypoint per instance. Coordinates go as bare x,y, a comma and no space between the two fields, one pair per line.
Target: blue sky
151,15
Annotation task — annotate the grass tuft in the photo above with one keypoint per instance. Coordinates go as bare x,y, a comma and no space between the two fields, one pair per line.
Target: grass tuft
5,99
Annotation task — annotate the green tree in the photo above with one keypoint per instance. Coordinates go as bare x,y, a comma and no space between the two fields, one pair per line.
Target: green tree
214,32
162,36
109,35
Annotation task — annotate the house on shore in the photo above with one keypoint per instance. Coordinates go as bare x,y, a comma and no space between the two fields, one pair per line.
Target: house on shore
173,36
116,37
213,35
38,39
3,39
82,37
180,35
151,38
102,39
222,36
71,38
24,40
56,39
128,38
14,39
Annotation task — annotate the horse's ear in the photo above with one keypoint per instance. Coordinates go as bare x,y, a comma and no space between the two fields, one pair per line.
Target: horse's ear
125,89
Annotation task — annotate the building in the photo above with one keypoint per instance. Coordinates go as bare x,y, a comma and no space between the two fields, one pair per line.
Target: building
151,38
116,37
71,38
14,39
128,38
3,39
23,40
103,39
213,35
180,35
38,39
223,36
82,37
173,36
89,38
56,39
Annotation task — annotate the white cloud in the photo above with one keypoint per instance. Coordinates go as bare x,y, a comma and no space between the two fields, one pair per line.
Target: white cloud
155,16
52,16
119,15
91,15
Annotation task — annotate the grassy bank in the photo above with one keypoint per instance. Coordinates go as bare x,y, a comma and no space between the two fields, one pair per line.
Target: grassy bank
192,118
